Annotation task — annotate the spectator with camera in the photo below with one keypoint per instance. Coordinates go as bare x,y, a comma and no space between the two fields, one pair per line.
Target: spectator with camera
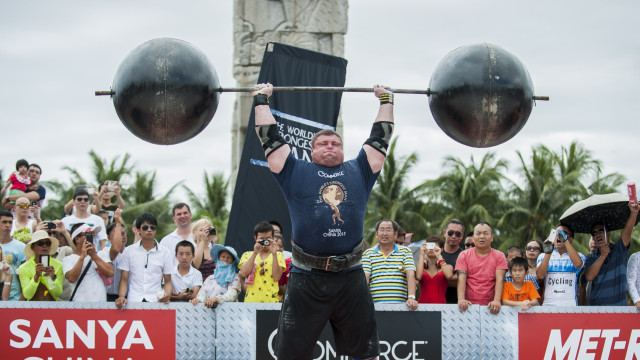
83,216
102,201
560,266
205,236
182,218
262,267
117,236
88,270
41,276
434,277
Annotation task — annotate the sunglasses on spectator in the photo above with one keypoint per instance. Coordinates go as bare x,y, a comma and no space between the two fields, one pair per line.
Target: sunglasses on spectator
147,227
82,199
23,205
262,270
596,232
533,248
451,232
468,245
44,243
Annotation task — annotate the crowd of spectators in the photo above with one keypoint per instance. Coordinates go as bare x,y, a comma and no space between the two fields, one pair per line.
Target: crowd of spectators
83,257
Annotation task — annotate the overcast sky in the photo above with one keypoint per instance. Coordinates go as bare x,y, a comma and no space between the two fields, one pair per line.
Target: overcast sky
585,55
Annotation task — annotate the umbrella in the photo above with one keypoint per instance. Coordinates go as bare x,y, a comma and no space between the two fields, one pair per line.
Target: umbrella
610,209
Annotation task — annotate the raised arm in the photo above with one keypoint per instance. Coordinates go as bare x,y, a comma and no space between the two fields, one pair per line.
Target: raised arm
381,131
275,147
631,222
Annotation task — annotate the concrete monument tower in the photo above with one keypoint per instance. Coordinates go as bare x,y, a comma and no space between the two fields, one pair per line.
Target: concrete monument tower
318,25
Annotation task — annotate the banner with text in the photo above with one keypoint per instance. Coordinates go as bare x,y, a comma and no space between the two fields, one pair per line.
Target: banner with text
578,336
87,333
299,115
403,335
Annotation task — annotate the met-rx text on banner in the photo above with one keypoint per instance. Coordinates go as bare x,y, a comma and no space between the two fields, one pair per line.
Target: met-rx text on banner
579,336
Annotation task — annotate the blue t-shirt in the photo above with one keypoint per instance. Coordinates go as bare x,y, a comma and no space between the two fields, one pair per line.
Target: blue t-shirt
327,204
14,256
610,285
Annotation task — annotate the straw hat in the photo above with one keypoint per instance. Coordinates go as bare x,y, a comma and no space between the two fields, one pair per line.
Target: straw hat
37,236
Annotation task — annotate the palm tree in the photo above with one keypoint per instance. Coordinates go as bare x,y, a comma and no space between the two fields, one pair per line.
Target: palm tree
391,199
213,204
471,193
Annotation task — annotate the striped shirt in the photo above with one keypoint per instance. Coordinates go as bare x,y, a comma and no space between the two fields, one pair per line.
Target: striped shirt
610,285
387,274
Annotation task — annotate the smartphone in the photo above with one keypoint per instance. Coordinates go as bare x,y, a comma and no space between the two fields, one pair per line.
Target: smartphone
431,245
111,186
89,238
553,235
44,260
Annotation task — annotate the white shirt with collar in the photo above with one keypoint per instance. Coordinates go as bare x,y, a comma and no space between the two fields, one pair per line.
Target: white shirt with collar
146,270
170,241
180,283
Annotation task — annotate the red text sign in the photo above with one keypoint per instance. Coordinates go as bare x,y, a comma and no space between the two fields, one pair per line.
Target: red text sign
52,334
579,336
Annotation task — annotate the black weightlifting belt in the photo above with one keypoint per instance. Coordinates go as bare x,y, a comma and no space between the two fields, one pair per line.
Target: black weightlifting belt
335,263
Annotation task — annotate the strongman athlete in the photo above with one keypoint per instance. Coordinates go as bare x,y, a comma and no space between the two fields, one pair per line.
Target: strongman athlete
326,280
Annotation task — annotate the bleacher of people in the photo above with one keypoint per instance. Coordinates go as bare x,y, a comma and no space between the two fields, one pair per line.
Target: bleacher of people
83,257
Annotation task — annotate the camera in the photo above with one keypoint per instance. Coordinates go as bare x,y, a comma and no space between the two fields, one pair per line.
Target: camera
212,230
431,245
50,225
264,242
34,203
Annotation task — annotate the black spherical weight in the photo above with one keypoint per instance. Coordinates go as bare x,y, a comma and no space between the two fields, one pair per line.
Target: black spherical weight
164,91
481,95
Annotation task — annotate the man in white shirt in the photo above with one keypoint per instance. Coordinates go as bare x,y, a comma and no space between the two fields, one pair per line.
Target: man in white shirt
144,266
182,218
90,287
82,215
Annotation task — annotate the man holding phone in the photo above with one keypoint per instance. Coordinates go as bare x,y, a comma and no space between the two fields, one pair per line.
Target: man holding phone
560,268
41,276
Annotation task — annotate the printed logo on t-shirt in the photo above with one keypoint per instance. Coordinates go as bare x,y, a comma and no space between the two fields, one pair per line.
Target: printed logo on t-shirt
333,193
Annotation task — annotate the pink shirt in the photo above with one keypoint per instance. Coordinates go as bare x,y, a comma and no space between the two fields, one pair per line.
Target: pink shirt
481,274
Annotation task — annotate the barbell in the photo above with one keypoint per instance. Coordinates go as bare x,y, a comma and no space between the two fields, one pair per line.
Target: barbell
166,91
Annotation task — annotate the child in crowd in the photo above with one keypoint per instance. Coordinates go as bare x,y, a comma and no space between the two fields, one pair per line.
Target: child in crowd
18,180
224,284
186,279
519,292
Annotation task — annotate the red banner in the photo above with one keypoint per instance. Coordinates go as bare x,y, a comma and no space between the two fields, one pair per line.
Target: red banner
579,336
51,334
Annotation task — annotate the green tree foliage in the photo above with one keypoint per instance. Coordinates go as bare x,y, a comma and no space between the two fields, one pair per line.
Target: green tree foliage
212,204
391,199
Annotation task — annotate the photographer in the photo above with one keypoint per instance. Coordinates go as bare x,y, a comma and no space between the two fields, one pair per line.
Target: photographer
87,269
41,276
560,268
261,267
205,236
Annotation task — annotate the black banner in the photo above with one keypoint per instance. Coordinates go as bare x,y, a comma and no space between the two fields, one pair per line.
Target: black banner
299,116
402,334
